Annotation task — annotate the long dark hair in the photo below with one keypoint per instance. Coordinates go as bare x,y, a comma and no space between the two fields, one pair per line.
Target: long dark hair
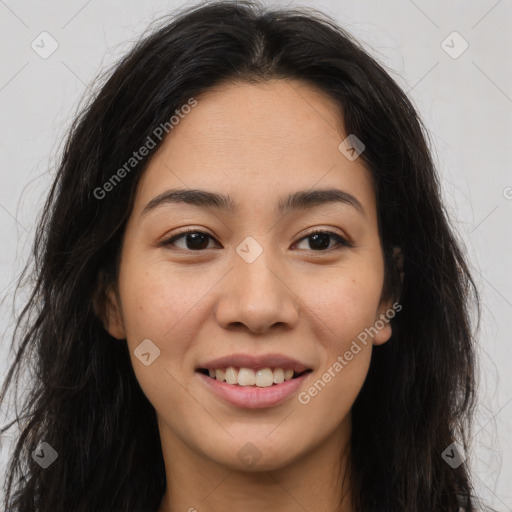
86,403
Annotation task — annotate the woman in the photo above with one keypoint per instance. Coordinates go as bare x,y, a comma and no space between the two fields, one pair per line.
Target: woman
259,369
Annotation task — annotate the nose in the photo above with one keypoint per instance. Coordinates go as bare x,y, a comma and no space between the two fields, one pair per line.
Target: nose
257,296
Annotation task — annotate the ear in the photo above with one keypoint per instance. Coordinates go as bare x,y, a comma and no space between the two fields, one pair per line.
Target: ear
107,307
390,308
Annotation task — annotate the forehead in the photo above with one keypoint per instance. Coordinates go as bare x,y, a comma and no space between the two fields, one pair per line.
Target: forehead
282,116
257,142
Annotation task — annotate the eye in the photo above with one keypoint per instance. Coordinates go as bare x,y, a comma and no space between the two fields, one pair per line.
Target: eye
197,240
319,240
194,240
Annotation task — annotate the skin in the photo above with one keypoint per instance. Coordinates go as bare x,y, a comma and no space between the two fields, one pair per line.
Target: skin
256,143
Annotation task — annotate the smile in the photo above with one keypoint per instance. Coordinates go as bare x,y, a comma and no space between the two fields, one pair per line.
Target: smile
252,396
262,378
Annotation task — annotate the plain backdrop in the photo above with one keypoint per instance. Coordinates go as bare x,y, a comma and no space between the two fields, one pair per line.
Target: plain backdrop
464,98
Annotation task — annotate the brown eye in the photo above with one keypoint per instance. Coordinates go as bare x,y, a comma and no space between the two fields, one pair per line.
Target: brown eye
194,240
321,240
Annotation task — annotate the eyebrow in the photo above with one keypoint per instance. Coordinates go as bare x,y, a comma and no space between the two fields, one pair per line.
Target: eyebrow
301,200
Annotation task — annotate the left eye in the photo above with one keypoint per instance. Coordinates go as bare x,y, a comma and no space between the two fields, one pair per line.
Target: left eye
320,240
197,240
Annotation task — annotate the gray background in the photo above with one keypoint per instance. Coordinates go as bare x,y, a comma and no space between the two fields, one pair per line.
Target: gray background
466,103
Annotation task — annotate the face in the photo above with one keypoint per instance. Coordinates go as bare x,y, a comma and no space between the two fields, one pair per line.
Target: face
255,288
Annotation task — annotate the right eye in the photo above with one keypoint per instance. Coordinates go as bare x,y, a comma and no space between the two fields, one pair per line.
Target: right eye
194,240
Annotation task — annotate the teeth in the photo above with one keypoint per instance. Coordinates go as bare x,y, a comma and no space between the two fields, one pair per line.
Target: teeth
231,375
246,377
263,378
278,376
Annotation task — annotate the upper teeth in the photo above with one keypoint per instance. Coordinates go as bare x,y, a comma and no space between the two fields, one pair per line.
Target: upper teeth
248,377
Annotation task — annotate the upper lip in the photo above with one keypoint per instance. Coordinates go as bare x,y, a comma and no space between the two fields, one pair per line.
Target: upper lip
255,362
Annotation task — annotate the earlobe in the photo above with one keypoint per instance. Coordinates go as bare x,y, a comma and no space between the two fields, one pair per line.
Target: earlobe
107,308
384,329
381,329
115,324
383,321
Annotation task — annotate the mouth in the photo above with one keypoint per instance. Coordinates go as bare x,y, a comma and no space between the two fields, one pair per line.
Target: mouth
249,377
253,381
253,388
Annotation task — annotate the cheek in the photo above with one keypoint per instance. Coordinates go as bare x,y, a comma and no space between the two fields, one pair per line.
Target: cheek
162,307
342,311
345,305
157,300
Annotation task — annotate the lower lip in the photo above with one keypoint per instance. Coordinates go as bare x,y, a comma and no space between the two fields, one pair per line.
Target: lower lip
253,397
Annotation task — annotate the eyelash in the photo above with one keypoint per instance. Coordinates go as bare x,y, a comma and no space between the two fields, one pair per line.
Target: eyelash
341,241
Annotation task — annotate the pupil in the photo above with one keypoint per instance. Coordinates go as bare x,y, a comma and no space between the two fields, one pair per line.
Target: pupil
324,241
196,241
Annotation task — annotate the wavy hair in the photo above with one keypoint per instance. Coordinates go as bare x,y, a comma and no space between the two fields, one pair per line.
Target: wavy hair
84,400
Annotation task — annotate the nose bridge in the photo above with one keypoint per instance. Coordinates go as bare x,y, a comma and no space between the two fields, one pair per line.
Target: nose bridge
257,294
256,272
